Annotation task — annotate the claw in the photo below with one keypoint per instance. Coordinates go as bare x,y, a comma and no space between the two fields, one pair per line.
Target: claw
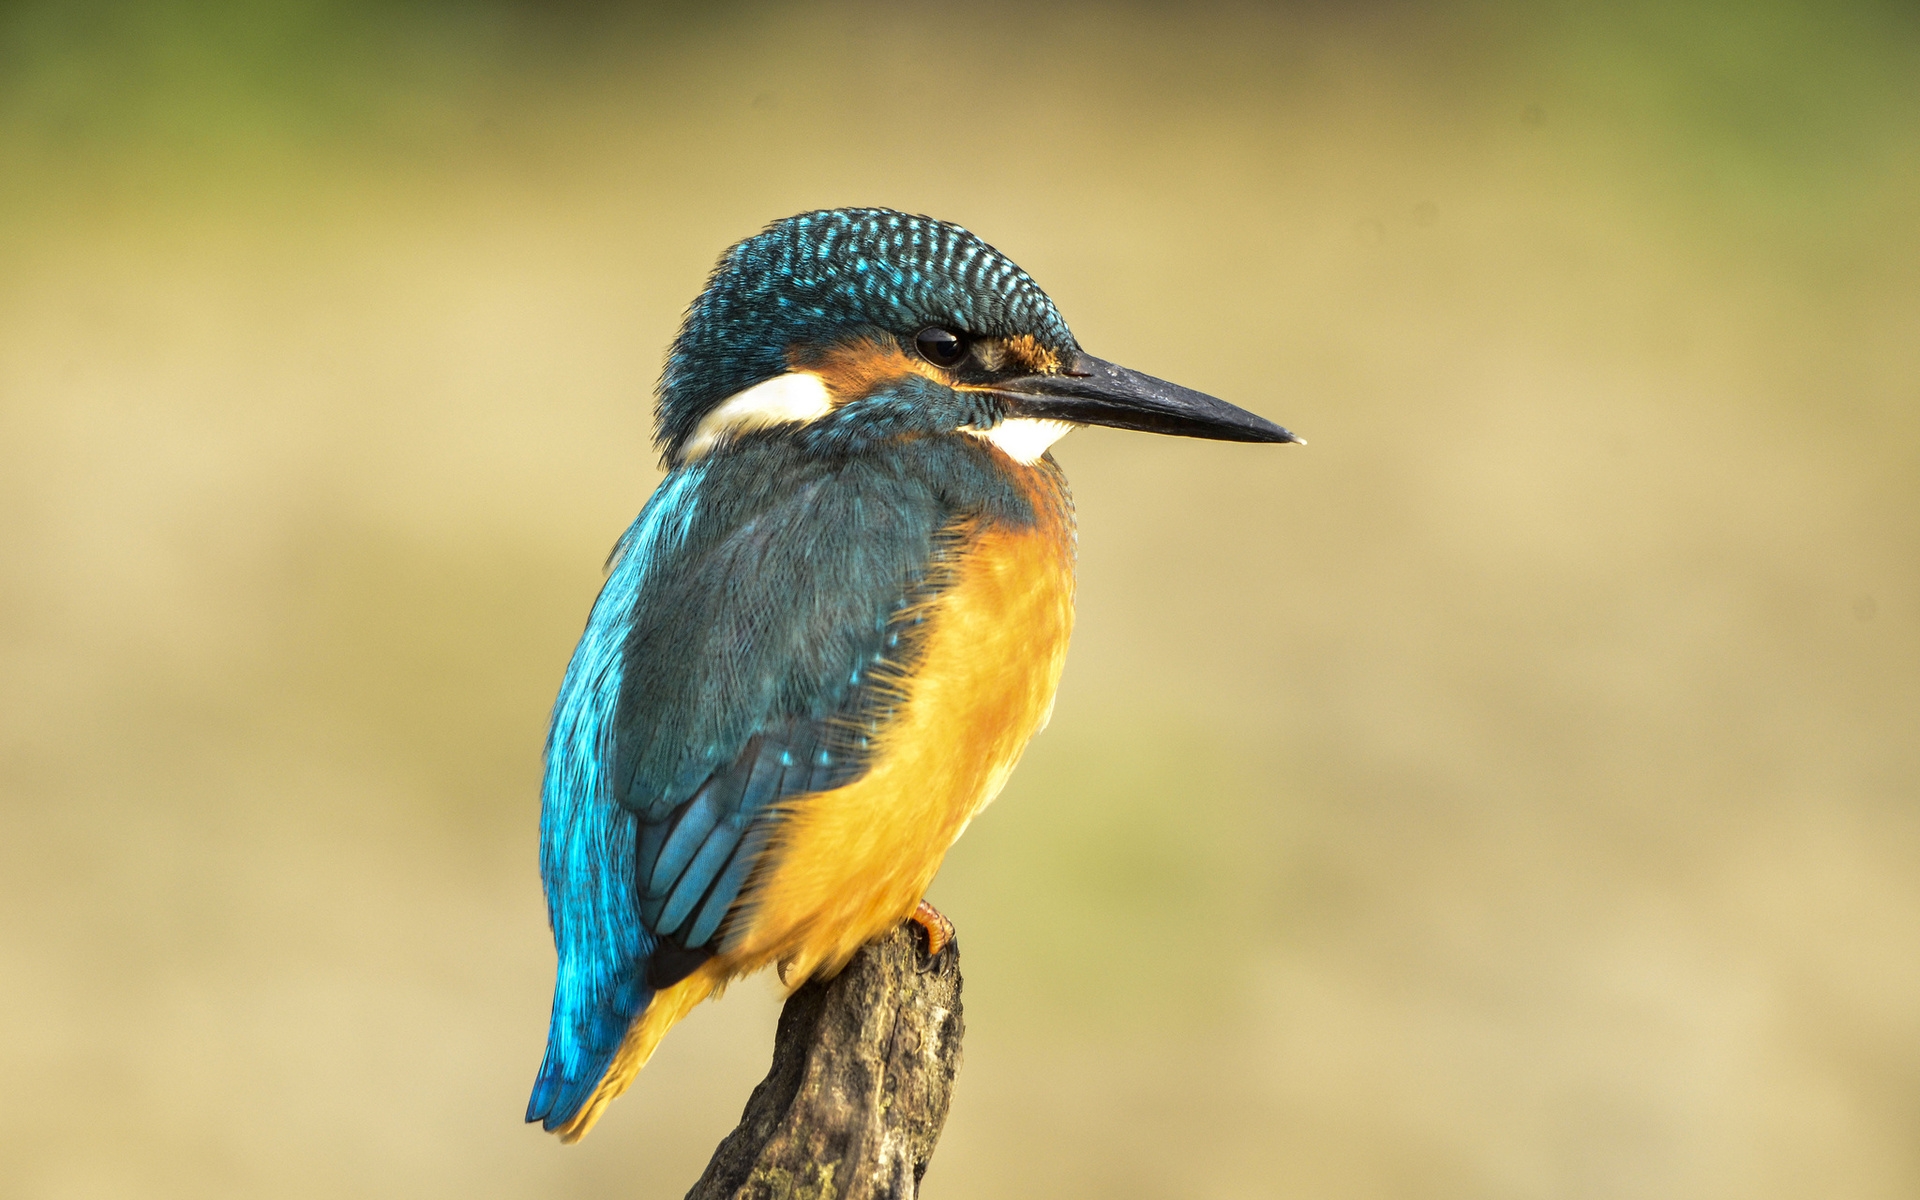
939,929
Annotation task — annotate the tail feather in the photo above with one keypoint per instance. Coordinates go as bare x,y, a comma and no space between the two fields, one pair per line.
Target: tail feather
582,1041
586,1097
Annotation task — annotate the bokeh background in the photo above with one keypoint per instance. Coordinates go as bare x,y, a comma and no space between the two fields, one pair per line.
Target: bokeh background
1515,793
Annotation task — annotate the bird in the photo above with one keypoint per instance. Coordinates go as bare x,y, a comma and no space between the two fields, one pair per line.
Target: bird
827,638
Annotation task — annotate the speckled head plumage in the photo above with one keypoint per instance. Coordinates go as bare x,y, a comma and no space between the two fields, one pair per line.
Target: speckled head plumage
835,275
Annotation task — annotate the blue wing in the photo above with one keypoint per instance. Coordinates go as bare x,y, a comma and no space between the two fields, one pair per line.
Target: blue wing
737,656
692,865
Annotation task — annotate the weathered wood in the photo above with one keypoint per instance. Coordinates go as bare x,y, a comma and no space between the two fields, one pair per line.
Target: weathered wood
863,1067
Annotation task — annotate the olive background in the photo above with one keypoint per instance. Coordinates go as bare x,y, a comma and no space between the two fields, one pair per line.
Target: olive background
1513,793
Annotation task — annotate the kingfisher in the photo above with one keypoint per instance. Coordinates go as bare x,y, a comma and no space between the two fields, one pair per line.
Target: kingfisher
827,638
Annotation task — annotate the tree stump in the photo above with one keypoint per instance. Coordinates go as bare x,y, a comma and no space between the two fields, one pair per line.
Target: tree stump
863,1068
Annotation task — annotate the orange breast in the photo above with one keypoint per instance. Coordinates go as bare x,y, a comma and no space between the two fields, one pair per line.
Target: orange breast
853,862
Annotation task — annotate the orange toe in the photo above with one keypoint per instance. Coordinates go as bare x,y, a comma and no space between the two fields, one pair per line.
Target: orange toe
939,929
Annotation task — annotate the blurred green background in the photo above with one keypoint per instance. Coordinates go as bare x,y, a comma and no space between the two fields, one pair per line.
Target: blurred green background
1515,793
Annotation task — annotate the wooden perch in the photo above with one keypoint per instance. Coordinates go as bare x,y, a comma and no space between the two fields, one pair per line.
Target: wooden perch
863,1067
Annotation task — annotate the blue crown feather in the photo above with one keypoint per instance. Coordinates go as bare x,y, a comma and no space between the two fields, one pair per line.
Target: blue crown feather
823,274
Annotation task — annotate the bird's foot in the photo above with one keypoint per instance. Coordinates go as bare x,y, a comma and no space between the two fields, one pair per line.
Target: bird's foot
939,929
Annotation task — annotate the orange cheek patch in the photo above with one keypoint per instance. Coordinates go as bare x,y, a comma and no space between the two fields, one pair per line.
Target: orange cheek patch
1032,355
858,369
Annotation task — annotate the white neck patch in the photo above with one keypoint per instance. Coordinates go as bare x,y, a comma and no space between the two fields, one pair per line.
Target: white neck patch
794,398
1023,439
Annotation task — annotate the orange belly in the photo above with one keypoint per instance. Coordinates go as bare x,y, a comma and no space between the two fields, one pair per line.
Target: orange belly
853,862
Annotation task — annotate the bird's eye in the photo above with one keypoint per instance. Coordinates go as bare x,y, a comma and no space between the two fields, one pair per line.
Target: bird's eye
941,347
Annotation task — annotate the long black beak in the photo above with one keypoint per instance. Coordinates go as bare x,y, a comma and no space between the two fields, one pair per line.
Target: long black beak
1093,391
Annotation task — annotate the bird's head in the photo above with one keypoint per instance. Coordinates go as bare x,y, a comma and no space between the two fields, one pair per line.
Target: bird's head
847,325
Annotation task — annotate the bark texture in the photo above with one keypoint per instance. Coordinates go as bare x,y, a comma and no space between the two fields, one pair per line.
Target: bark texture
863,1068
